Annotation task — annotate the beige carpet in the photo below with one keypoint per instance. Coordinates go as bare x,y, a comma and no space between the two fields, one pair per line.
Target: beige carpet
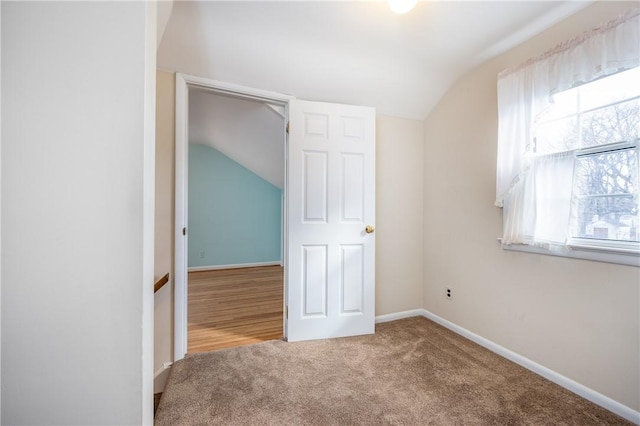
411,372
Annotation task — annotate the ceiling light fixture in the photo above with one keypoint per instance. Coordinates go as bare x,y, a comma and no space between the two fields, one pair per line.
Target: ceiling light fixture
402,6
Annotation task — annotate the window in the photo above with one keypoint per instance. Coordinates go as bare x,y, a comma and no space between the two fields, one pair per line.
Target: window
568,147
598,124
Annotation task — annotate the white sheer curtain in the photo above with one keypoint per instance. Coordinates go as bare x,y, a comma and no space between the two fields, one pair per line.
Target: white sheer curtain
535,190
539,205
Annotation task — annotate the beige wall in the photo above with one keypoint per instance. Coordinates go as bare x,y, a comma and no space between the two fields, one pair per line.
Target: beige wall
399,146
164,245
399,183
579,318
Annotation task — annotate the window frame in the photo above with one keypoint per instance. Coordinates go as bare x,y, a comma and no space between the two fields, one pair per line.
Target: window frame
621,246
600,250
582,251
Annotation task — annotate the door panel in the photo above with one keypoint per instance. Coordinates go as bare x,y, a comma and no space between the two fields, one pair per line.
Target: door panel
331,199
315,186
352,188
314,281
352,279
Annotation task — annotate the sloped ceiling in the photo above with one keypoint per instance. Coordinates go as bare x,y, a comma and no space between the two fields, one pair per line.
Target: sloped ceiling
349,52
250,133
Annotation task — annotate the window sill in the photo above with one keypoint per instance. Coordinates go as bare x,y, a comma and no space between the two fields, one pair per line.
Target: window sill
584,251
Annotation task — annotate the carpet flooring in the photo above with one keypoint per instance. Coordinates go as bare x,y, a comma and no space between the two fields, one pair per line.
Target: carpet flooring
411,372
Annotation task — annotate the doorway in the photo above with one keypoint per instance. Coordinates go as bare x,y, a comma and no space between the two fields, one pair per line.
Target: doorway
235,192
225,264
328,216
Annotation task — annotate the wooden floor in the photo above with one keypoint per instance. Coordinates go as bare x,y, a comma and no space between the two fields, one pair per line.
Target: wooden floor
234,307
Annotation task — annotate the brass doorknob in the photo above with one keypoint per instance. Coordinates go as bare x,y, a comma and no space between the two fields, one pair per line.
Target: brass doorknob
369,229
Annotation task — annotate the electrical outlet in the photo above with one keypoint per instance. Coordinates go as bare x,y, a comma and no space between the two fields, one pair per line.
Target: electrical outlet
449,294
201,255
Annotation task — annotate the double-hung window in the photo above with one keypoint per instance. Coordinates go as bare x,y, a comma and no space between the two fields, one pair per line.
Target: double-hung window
568,149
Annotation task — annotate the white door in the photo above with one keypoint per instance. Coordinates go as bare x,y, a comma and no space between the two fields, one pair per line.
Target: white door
331,202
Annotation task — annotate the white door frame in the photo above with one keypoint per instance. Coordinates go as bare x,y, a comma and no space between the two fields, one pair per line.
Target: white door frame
183,83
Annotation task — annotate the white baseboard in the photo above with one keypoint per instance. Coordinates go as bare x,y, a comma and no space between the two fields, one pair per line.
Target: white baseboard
160,377
234,266
400,315
557,378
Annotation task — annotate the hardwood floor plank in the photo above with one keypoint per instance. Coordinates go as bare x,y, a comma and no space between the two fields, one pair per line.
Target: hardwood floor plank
234,307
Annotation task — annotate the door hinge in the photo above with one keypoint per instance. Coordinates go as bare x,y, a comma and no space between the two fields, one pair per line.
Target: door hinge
184,231
286,312
288,125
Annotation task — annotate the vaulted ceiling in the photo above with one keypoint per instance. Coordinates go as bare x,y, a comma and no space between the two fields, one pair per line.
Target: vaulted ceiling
356,52
351,52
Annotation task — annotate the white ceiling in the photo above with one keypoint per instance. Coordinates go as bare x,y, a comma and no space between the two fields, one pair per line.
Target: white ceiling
250,133
349,52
